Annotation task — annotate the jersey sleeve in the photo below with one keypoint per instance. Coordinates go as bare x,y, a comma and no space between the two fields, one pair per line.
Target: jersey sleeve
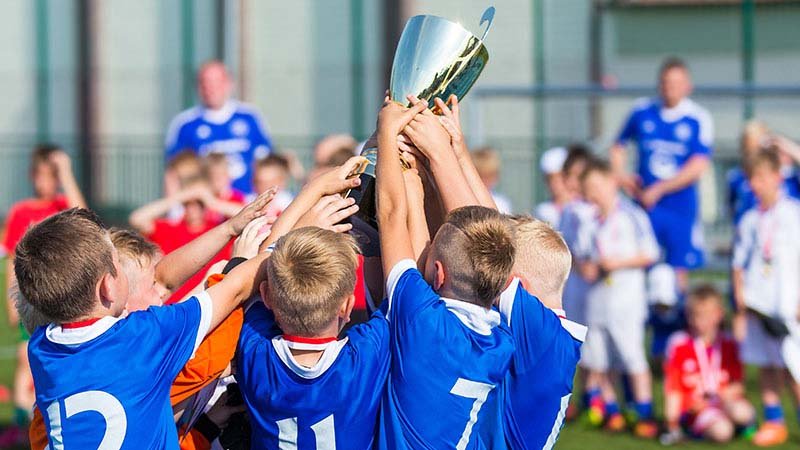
259,324
743,244
533,325
177,332
408,292
14,231
628,131
703,139
375,331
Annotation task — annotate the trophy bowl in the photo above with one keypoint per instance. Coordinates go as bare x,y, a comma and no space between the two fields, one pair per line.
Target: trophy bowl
434,58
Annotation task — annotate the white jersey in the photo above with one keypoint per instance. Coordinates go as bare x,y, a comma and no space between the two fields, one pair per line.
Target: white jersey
767,249
573,226
548,212
621,294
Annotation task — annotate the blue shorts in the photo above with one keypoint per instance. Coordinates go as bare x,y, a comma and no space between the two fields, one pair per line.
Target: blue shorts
680,235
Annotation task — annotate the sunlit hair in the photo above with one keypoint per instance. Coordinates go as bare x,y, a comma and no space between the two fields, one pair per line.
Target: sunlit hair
542,256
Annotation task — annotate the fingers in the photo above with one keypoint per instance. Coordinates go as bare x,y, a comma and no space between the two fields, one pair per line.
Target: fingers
337,203
416,102
342,228
351,165
443,107
342,214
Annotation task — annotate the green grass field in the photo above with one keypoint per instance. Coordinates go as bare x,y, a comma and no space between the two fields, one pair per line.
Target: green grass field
576,435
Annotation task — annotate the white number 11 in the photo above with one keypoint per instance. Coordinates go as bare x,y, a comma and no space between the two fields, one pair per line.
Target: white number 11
324,434
478,391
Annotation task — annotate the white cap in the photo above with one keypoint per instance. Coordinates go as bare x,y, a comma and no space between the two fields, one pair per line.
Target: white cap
662,285
553,160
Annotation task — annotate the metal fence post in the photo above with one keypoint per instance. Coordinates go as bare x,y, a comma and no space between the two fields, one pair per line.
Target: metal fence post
42,71
748,37
540,80
357,68
187,51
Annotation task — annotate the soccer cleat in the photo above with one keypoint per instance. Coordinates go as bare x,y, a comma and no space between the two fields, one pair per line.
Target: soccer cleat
595,415
646,429
771,433
615,423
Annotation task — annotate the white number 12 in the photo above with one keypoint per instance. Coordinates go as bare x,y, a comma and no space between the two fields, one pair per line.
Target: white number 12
478,391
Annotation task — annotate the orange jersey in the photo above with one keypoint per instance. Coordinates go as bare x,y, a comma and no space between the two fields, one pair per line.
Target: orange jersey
210,360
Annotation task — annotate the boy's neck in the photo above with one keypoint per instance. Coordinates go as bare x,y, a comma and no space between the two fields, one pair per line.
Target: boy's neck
607,207
708,338
309,358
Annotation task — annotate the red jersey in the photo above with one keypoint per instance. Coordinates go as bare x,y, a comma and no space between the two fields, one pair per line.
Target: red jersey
698,377
171,235
26,213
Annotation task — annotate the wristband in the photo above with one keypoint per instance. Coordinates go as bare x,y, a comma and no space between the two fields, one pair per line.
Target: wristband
207,428
271,247
233,263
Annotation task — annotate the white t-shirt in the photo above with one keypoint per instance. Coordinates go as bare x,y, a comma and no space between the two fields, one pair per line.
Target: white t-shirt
621,294
767,249
575,217
548,212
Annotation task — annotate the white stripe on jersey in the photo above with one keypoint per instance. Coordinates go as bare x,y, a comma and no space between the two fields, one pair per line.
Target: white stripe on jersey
562,413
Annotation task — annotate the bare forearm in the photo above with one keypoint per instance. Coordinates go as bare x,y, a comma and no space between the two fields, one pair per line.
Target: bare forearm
227,209
688,175
453,186
13,316
417,223
479,190
618,159
143,218
392,204
72,191
738,288
178,266
238,286
636,262
289,217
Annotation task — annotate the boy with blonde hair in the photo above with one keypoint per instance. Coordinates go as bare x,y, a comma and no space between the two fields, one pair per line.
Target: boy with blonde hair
487,162
449,348
766,261
538,386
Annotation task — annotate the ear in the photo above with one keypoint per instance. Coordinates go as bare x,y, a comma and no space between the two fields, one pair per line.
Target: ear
263,289
346,308
105,291
439,275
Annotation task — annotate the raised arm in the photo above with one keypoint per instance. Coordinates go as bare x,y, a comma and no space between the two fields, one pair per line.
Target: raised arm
391,190
416,220
431,138
178,266
67,179
237,287
451,120
143,219
689,174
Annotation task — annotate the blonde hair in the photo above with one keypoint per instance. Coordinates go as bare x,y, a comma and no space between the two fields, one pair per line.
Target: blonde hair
133,246
542,257
476,247
309,274
702,294
487,161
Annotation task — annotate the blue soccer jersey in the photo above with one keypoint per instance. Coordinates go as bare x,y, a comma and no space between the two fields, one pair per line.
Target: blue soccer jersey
332,405
448,360
667,138
107,385
741,197
235,130
538,386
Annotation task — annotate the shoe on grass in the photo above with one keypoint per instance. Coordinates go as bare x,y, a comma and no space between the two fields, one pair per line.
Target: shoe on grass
646,429
771,433
615,423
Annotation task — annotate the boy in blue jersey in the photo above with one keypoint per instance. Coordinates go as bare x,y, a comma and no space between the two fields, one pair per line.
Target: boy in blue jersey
303,386
69,271
674,136
450,350
538,386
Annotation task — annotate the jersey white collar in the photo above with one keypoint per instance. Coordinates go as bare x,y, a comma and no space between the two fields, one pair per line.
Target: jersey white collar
474,317
331,350
676,112
76,336
221,115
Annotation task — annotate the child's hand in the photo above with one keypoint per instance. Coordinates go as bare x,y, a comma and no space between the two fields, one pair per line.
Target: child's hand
63,164
427,133
255,209
246,245
337,180
328,213
393,117
451,121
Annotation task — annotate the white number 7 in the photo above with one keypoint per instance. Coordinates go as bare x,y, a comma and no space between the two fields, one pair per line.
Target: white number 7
478,391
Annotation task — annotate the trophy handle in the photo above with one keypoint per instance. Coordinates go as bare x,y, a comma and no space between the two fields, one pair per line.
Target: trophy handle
488,16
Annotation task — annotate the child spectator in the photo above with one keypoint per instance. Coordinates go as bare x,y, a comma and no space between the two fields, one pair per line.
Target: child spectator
274,171
197,201
487,161
551,164
703,378
181,171
449,349
50,173
231,200
766,262
624,245
538,386
86,359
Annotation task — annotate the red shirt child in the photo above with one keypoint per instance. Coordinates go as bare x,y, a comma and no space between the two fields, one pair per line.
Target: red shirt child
27,213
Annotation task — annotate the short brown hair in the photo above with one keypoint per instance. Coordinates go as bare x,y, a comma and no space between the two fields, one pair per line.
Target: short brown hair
596,165
767,157
133,246
340,157
41,154
187,166
487,161
476,247
273,160
702,294
59,262
309,274
672,62
542,256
